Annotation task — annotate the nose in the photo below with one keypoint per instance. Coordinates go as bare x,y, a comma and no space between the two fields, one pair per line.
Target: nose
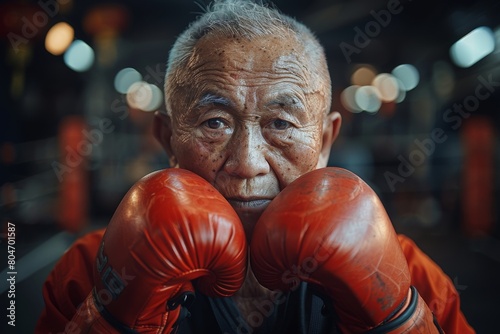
247,157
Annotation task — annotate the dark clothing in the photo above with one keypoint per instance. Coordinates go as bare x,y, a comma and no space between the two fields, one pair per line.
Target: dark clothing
301,311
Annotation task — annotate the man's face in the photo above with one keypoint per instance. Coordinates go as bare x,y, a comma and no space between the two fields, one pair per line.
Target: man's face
248,116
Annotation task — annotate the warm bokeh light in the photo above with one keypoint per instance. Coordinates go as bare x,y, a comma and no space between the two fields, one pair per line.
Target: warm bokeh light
79,56
408,75
387,87
367,98
473,47
139,95
125,78
363,76
59,38
144,96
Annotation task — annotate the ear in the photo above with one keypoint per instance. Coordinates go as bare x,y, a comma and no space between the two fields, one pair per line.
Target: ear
331,129
162,130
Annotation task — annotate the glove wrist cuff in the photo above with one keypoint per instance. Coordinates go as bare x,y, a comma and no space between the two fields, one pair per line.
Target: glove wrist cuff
110,319
402,314
416,314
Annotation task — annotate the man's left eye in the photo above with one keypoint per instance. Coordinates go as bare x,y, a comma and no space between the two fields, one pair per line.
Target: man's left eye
280,124
214,123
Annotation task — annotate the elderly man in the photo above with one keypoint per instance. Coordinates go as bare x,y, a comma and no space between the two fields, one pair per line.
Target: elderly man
251,233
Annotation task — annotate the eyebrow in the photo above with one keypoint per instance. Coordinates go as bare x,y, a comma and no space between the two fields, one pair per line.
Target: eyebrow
286,101
208,99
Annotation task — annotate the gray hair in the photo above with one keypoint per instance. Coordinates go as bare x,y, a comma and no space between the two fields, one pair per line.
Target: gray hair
242,18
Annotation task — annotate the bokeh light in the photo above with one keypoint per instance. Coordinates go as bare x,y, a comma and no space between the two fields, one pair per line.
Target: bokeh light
79,56
125,78
401,93
363,76
408,76
387,87
347,99
367,98
144,96
59,38
473,47
156,99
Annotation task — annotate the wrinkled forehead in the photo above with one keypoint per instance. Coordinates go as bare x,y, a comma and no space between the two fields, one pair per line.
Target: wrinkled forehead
268,53
267,60
270,45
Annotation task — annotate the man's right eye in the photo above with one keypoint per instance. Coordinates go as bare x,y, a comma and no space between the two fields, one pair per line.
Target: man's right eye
214,123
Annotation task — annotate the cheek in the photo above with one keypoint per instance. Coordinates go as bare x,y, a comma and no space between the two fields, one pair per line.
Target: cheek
201,158
297,159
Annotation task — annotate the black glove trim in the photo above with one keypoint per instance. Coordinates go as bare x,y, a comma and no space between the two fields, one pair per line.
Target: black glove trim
184,300
109,317
403,317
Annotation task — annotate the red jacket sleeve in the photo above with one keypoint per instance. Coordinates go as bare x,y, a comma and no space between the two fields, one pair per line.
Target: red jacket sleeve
435,288
68,285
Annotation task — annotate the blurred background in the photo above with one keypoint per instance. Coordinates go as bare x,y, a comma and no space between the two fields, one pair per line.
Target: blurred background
417,83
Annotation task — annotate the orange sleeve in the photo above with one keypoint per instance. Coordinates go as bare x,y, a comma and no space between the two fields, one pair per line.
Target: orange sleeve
68,284
435,288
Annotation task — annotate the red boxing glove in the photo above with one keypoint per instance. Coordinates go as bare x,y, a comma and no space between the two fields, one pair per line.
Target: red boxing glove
330,229
171,228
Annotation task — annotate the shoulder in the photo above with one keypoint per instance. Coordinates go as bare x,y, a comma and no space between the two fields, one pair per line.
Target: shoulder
69,283
77,262
435,287
74,268
423,269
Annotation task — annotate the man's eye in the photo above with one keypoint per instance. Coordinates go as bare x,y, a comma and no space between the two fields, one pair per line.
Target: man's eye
280,124
214,123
